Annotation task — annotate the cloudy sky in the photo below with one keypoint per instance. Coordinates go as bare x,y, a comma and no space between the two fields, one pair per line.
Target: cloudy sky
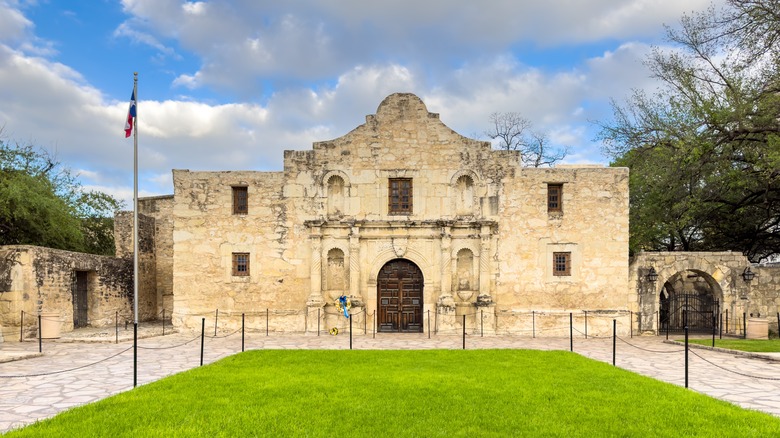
231,84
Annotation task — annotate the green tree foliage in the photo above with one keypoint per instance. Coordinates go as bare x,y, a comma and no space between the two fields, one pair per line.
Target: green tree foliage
42,203
704,150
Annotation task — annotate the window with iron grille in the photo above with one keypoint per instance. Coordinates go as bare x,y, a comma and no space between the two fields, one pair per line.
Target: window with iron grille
562,264
240,264
555,198
240,200
400,196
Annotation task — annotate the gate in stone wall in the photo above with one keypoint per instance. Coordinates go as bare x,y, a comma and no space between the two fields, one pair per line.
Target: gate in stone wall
698,312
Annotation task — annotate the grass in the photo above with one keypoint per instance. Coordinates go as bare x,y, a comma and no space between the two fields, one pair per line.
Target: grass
752,345
407,393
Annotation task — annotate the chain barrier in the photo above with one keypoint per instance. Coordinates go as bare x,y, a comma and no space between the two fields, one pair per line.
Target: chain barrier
68,370
224,336
648,350
170,347
731,371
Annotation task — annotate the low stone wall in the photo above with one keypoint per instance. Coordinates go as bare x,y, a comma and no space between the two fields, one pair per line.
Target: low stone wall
764,294
35,280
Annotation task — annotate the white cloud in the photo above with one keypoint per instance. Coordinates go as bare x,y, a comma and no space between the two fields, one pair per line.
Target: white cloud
13,24
304,41
334,63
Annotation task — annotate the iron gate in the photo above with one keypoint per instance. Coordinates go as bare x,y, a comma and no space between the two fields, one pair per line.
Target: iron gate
698,312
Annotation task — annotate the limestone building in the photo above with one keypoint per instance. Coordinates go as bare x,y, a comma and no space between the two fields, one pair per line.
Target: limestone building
415,223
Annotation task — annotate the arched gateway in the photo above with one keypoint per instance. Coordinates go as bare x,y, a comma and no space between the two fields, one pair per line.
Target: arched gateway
399,292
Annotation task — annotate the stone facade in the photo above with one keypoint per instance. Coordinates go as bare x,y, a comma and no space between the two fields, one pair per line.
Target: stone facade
477,232
37,280
715,276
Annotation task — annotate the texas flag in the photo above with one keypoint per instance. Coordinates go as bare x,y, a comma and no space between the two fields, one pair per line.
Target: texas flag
130,116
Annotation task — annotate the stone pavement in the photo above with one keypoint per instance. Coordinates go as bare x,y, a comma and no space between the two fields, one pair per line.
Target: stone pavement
93,371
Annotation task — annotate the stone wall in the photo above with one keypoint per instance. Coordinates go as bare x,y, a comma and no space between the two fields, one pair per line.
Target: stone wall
764,293
479,231
160,208
593,226
720,273
206,233
149,305
35,279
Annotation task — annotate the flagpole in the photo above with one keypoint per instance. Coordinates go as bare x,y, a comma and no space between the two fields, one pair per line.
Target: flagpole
135,202
135,233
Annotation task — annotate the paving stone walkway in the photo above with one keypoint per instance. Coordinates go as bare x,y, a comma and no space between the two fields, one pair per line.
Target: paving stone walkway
93,371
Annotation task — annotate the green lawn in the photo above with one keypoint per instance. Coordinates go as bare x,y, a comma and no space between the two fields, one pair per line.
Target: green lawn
752,345
407,393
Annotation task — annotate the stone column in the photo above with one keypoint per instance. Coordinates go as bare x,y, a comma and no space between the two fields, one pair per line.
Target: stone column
486,308
354,265
445,298
484,264
315,301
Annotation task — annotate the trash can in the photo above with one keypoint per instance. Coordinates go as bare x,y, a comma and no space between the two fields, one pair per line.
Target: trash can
50,325
758,328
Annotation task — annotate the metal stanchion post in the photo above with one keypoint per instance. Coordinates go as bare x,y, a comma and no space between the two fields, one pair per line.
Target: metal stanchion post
242,332
744,325
533,323
216,318
266,321
686,356
202,337
21,328
571,331
163,312
614,340
429,323
350,331
373,323
481,323
135,354
631,322
464,332
40,335
116,328
714,328
318,321
667,326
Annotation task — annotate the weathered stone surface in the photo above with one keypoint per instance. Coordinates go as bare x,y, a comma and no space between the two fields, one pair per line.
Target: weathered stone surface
479,228
718,274
35,280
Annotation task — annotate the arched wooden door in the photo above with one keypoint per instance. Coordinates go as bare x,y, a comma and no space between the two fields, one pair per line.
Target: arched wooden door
400,297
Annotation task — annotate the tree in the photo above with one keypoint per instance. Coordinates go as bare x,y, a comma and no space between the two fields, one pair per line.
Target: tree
42,203
514,134
704,150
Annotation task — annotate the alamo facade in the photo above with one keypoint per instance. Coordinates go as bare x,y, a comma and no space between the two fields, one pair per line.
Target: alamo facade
416,224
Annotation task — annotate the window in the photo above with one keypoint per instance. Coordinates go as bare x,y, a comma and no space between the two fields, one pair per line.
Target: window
400,196
555,198
241,264
562,264
240,200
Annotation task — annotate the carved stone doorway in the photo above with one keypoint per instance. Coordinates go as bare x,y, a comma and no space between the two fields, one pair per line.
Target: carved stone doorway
400,297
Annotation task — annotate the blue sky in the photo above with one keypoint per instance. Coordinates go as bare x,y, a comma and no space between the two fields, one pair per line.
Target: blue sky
232,84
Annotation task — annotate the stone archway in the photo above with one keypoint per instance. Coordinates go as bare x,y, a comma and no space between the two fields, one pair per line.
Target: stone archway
715,276
689,298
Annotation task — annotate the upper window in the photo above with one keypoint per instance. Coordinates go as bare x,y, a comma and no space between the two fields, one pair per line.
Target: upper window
400,196
240,200
562,264
241,264
555,198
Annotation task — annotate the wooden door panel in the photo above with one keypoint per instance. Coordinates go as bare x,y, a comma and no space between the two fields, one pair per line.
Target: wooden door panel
400,297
